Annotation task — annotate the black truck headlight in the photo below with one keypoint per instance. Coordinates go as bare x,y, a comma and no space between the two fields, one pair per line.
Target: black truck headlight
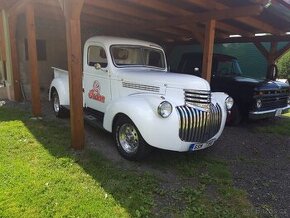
229,103
259,103
164,109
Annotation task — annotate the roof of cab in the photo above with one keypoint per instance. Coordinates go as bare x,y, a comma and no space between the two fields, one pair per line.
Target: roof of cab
111,40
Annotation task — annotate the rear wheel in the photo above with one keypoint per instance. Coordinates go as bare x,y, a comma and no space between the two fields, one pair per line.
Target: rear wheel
58,109
129,141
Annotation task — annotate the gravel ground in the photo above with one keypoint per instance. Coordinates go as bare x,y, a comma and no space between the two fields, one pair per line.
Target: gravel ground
260,162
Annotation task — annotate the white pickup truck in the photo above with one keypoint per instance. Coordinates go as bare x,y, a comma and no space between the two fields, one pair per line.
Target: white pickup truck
128,91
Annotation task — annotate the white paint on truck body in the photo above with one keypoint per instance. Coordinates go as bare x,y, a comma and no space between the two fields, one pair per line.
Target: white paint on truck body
137,91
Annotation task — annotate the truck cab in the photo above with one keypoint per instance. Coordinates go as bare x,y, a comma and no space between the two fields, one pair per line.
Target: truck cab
254,98
128,91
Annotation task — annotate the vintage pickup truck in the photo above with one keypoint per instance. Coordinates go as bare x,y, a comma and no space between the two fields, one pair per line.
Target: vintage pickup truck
254,98
128,92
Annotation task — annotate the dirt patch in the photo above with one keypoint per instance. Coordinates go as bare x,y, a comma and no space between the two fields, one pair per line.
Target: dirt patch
259,163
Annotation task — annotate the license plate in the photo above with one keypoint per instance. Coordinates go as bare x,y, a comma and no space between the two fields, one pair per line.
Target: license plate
278,112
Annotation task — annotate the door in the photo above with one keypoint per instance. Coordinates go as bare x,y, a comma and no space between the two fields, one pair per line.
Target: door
97,81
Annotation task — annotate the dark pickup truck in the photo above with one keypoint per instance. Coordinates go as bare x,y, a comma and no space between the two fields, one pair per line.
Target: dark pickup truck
254,98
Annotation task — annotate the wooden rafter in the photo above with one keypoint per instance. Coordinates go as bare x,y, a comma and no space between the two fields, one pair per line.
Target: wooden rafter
216,15
249,21
282,51
273,54
262,49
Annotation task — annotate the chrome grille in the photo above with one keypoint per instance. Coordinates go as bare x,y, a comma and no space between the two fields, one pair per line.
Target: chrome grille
197,98
141,87
197,125
273,99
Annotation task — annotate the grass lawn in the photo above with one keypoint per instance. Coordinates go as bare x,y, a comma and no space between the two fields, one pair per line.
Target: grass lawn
40,176
282,127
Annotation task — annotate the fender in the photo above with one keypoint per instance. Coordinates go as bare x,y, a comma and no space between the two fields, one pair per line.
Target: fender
142,110
62,89
220,98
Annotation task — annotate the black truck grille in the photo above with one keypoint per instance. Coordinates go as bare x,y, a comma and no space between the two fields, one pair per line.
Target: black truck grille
197,125
274,99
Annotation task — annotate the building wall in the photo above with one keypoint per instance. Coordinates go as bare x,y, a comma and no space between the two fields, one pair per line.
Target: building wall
53,33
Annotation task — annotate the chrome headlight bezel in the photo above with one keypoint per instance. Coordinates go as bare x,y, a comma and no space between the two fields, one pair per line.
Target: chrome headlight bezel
165,109
229,102
258,103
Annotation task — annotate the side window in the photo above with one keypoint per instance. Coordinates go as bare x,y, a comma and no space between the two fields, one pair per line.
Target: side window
97,54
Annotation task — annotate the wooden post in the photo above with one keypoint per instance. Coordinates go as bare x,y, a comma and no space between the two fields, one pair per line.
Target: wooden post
14,58
33,65
208,49
271,55
72,11
2,39
3,47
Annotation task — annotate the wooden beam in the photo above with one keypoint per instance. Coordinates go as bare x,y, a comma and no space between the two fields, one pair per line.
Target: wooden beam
3,47
177,12
198,35
72,11
222,14
273,50
232,29
2,39
208,50
33,64
14,58
253,39
282,51
249,21
262,49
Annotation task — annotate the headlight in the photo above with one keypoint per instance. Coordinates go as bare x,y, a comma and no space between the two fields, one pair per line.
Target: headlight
164,109
259,103
229,103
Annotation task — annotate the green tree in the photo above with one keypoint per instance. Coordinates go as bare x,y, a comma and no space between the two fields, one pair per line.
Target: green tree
284,66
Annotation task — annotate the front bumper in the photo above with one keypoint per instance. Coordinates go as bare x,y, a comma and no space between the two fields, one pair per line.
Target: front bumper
255,115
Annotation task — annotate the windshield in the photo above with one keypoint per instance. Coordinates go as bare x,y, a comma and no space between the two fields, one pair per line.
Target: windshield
137,56
228,68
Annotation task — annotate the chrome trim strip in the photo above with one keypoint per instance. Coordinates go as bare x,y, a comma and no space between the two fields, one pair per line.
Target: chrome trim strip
269,111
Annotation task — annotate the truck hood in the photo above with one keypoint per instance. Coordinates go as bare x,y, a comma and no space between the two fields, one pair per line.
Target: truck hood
258,84
162,78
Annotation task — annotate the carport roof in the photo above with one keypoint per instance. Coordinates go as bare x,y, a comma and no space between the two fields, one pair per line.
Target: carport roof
175,21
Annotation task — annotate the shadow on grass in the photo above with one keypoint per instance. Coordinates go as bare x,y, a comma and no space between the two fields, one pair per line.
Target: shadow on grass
136,190
131,189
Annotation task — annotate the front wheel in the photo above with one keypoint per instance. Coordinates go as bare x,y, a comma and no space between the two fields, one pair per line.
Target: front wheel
235,117
129,141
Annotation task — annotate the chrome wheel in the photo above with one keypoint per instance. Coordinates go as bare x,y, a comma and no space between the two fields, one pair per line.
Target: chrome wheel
56,105
128,138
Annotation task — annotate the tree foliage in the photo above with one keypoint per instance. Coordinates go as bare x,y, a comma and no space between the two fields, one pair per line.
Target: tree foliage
284,66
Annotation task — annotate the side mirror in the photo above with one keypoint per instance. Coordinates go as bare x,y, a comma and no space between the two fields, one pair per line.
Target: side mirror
272,72
98,66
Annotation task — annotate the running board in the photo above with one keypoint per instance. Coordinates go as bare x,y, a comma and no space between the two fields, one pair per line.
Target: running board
93,120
